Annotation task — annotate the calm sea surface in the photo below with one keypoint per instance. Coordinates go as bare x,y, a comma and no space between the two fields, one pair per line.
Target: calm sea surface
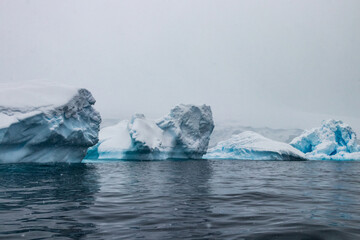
181,199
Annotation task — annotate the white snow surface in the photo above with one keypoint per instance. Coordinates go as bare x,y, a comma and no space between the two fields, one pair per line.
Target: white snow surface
224,130
115,138
333,140
183,133
249,145
22,100
46,122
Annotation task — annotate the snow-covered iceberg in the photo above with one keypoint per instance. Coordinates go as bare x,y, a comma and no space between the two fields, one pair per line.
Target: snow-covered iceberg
183,133
253,146
224,130
332,140
46,122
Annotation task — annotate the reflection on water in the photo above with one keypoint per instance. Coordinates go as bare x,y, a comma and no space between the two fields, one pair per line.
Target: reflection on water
154,200
181,199
42,201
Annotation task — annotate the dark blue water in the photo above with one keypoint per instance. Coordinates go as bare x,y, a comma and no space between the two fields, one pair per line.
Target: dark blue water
181,199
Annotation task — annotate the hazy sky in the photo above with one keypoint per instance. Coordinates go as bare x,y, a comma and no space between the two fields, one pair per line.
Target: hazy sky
261,63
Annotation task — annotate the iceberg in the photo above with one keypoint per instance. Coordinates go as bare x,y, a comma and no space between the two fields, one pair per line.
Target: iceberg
46,122
249,145
224,130
138,138
183,133
333,140
187,129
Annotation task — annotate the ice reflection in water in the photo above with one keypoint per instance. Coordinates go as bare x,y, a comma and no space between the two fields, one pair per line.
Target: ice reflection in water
181,199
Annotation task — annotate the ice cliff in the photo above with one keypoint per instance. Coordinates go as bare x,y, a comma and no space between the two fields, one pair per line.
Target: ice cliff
332,140
183,133
253,146
46,122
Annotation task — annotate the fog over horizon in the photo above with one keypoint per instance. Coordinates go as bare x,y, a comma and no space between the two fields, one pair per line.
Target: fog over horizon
280,64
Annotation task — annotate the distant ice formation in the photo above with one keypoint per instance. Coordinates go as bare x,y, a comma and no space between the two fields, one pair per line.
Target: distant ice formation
183,133
45,122
332,140
224,130
253,146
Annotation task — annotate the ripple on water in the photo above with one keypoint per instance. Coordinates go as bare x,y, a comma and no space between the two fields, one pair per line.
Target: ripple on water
181,199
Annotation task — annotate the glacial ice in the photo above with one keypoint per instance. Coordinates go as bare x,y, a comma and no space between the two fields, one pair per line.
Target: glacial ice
138,138
46,122
333,140
224,130
183,133
249,145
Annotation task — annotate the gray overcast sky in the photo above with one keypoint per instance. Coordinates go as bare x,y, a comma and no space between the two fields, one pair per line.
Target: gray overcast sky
262,63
